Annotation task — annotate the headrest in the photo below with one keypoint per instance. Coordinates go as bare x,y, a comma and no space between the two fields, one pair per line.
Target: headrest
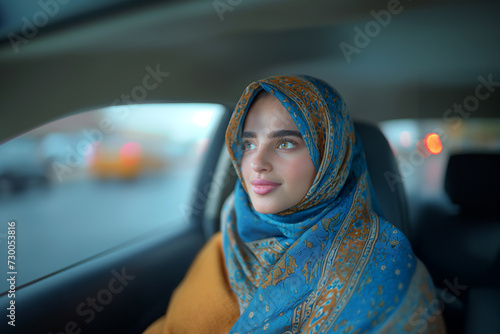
385,176
473,182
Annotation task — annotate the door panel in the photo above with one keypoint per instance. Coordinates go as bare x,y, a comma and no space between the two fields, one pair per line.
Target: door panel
120,291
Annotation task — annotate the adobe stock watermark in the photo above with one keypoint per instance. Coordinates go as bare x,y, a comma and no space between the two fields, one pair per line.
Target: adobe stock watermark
372,29
29,29
75,156
426,314
222,6
471,103
217,181
453,117
88,309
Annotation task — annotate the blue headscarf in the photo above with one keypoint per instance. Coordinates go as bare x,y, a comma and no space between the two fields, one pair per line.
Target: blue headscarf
330,263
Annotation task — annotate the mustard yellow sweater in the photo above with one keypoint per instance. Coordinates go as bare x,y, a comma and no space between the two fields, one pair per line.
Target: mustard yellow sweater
203,302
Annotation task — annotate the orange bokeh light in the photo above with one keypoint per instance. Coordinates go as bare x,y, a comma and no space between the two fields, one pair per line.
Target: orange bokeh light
130,153
433,143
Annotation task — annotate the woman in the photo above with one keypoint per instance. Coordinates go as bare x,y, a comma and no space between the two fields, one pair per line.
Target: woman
303,247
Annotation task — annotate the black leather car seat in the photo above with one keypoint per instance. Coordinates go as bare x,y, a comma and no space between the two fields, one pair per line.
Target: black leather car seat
465,243
385,176
461,245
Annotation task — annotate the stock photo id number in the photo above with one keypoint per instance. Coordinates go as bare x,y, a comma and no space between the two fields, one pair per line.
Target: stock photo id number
11,272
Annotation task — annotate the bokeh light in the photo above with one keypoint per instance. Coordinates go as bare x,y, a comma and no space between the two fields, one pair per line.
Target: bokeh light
433,143
130,153
405,139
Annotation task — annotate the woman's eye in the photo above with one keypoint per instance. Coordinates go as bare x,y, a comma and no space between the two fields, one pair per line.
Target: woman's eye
248,146
285,145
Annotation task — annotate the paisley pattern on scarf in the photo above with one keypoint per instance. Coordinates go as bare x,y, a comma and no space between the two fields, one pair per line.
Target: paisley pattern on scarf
331,263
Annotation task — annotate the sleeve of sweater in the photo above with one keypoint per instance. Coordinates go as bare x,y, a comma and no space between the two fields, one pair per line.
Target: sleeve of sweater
204,301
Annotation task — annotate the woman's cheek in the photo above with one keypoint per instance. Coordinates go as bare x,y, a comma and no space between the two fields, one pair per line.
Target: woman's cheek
301,170
245,168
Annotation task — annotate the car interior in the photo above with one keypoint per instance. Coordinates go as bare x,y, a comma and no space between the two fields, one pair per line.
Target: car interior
419,67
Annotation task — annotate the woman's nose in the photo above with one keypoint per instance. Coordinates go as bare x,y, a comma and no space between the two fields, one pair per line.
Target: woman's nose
261,161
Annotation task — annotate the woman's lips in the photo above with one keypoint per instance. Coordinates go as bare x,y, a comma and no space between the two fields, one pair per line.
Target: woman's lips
262,187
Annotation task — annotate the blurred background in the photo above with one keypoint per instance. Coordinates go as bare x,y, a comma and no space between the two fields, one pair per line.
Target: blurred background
91,181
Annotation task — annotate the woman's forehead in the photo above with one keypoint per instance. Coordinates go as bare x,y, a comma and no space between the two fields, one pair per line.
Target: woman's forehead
268,113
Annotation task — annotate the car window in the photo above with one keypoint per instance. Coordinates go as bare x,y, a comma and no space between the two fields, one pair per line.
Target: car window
423,147
88,182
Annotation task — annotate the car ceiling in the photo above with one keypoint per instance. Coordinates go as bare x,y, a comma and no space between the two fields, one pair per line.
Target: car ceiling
426,59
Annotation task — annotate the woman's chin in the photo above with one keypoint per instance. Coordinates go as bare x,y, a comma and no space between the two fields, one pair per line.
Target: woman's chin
269,206
265,211
265,207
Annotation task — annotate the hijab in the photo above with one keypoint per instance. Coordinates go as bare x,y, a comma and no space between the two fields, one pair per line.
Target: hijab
331,262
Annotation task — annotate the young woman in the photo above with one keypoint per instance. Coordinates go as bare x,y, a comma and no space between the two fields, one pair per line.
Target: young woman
303,246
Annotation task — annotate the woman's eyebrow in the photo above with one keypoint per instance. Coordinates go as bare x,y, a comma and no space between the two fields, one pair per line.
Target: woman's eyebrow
284,133
248,134
274,134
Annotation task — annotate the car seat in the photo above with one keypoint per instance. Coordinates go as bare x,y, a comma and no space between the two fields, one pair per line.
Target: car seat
461,244
385,176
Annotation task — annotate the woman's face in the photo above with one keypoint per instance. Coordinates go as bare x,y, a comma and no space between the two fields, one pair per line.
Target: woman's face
276,166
